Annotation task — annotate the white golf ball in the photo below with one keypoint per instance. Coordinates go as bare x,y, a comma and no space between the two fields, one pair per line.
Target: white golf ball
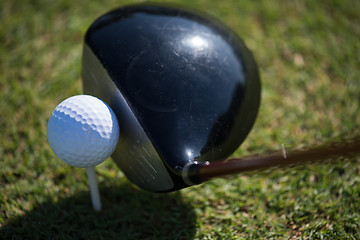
83,131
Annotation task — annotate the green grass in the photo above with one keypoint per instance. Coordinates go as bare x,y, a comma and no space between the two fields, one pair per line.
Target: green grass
308,53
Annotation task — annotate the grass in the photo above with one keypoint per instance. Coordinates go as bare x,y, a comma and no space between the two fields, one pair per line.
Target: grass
308,53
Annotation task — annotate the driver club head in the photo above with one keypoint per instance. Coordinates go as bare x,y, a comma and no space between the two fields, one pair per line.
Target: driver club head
184,87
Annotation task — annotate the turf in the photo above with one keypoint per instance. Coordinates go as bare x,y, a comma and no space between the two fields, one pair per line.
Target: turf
308,53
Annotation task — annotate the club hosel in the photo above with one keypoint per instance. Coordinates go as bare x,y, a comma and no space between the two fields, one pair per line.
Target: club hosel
190,173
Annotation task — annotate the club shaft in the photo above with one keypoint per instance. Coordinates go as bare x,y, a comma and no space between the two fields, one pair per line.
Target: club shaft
334,150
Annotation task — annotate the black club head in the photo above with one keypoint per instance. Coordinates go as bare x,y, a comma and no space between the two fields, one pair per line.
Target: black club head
184,88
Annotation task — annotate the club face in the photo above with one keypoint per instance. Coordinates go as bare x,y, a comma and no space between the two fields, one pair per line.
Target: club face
184,89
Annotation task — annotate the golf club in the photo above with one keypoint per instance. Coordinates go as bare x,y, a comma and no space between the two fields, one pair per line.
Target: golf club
186,92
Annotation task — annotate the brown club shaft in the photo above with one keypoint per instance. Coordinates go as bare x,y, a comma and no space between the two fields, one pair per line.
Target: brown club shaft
334,150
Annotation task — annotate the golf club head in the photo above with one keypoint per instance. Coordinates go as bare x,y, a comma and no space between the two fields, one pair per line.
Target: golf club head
183,86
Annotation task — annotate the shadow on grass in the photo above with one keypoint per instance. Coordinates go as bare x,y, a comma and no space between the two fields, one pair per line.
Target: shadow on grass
127,213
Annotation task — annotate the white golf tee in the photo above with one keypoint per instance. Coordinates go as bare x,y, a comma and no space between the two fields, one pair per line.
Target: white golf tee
94,190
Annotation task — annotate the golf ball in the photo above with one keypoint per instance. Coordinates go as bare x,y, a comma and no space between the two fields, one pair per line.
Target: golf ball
83,131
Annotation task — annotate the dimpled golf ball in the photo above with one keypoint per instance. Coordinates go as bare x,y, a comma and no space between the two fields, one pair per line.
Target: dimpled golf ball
83,131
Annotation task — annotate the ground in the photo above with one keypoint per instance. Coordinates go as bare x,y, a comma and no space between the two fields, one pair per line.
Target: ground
308,56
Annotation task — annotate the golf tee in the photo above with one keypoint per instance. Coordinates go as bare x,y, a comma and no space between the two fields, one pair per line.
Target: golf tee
94,190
